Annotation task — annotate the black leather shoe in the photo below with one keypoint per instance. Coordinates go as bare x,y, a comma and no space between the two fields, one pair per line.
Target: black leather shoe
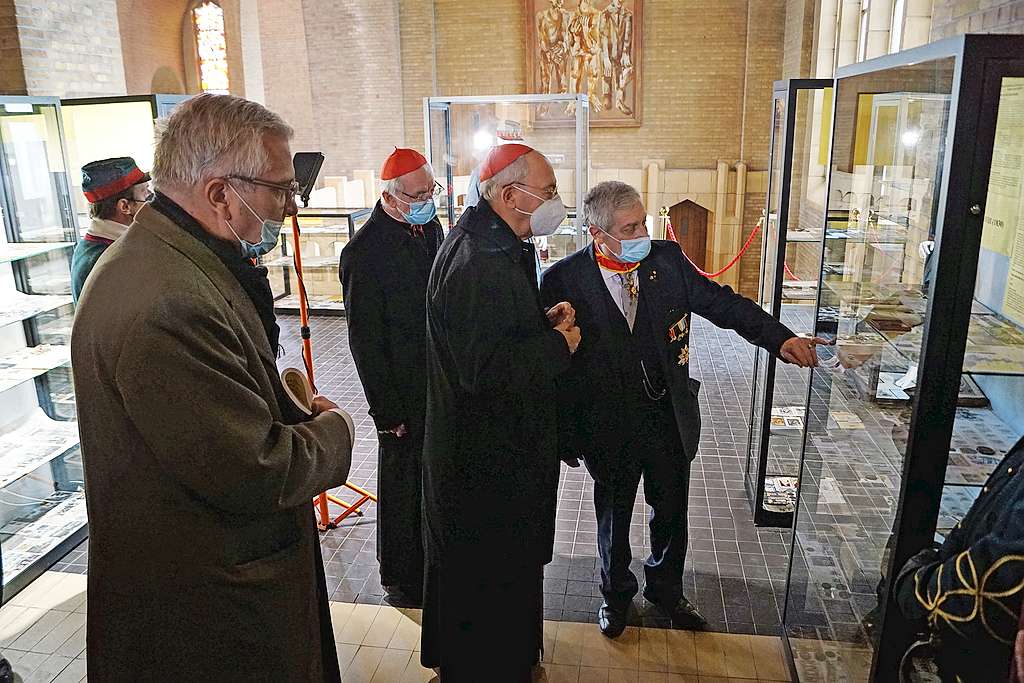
611,620
682,613
402,596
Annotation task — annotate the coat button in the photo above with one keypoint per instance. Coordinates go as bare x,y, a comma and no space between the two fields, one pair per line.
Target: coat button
1009,471
985,490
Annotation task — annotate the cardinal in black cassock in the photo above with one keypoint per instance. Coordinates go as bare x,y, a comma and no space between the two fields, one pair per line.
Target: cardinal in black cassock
490,461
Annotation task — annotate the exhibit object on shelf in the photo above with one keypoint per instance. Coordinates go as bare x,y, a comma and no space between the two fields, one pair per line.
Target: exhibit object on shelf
42,505
591,47
925,393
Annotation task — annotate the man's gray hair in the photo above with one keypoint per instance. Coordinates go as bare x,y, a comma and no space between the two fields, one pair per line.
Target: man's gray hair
604,199
515,172
395,184
214,135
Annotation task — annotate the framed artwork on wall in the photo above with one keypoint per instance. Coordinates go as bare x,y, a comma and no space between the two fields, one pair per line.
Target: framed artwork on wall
593,47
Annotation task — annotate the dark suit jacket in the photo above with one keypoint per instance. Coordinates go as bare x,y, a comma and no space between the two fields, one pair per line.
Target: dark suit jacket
384,273
593,417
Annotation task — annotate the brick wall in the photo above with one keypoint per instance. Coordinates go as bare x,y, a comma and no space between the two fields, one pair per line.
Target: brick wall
12,73
356,79
285,62
151,43
953,17
70,49
799,38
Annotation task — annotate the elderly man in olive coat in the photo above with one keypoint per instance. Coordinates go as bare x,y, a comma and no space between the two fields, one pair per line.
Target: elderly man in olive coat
204,561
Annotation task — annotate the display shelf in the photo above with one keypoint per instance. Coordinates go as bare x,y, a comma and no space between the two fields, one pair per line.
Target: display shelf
18,251
16,307
325,303
26,544
33,443
31,362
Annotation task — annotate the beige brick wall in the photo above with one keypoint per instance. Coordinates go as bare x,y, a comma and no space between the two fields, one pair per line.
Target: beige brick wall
799,38
356,79
953,17
12,73
151,43
70,49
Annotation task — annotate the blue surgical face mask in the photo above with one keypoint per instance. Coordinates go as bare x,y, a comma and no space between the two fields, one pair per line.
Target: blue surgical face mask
419,213
270,233
634,250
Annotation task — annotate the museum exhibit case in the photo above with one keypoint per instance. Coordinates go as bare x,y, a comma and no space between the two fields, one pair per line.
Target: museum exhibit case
323,233
460,131
42,501
921,288
105,127
790,261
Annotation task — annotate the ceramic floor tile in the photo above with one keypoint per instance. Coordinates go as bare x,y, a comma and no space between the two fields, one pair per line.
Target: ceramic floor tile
589,674
416,672
653,649
624,651
346,653
710,655
48,669
569,644
383,628
35,594
623,676
407,635
597,649
392,667
739,660
358,624
46,623
550,633
19,623
73,673
73,646
364,665
769,658
682,652
560,673
340,614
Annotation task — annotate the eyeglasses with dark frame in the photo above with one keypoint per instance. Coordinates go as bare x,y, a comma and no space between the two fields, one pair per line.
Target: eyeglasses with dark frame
545,192
423,196
290,189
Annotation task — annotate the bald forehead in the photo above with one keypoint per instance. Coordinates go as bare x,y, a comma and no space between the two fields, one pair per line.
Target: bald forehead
540,172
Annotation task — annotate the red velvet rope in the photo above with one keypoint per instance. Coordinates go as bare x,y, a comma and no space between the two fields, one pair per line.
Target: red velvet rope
735,260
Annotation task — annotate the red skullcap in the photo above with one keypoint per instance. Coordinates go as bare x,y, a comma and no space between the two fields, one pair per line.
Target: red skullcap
403,160
500,157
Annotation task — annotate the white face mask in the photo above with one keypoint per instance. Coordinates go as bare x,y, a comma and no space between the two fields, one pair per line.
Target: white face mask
545,219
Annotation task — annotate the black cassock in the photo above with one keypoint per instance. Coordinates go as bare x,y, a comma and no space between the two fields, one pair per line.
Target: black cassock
384,272
490,461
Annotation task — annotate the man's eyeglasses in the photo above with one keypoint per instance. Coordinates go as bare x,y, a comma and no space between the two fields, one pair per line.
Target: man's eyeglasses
542,192
289,189
145,200
423,196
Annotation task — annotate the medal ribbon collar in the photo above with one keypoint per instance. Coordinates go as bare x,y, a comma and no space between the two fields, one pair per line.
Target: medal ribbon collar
613,265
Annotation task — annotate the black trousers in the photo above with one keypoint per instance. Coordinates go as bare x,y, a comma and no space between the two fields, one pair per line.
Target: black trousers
656,453
483,621
399,536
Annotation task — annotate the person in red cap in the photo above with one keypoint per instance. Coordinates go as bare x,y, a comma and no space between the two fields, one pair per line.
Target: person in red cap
384,272
116,189
490,457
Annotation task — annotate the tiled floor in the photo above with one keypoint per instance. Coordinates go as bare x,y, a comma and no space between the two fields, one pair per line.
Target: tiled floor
735,572
42,633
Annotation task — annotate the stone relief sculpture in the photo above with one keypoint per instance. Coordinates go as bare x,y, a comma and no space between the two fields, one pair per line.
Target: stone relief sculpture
592,47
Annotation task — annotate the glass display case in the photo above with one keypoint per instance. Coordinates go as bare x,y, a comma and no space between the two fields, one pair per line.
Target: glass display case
922,288
324,233
790,262
460,131
42,504
106,127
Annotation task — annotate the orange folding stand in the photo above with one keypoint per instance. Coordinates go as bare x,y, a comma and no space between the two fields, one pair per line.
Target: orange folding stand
322,502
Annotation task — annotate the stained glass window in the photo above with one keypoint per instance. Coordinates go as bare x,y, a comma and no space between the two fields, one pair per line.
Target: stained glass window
211,45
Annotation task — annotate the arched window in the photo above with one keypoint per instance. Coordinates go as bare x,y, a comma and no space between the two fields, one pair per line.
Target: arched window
211,47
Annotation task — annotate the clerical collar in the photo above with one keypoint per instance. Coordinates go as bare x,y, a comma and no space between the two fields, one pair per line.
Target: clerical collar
612,265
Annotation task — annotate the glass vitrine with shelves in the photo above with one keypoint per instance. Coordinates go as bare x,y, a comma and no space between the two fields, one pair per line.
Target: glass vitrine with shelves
42,504
922,289
790,262
323,232
105,127
460,131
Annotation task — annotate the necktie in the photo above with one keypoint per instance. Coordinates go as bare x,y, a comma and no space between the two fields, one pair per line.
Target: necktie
629,296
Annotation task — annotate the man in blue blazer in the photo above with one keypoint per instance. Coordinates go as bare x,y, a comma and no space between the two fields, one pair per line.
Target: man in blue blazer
629,405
